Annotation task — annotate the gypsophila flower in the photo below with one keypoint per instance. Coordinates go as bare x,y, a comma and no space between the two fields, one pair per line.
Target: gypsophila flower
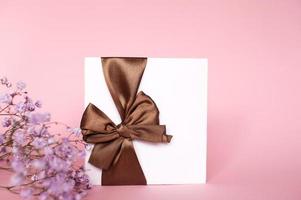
39,143
21,85
15,150
37,130
6,122
44,196
38,118
56,187
38,104
34,177
20,107
19,137
30,107
8,84
48,151
26,193
5,98
41,174
16,179
18,166
58,164
45,165
3,80
76,131
38,164
51,140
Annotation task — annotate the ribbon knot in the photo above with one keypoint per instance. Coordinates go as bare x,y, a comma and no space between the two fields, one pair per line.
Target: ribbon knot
123,131
113,151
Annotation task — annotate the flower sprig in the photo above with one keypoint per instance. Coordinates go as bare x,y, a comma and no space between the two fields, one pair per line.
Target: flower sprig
45,156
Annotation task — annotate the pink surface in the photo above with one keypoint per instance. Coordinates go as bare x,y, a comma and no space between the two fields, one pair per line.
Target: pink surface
254,51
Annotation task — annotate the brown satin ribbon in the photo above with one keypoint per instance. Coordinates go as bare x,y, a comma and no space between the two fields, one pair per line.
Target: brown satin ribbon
113,151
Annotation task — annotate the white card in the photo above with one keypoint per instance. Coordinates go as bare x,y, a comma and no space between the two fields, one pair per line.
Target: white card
179,88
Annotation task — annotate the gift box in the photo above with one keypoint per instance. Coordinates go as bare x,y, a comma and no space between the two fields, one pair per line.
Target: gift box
178,86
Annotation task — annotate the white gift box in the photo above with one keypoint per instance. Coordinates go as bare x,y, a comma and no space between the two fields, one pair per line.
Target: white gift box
179,88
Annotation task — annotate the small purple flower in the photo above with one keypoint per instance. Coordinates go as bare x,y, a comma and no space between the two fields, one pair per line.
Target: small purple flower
56,187
68,185
21,85
34,177
6,98
38,104
8,85
26,193
20,107
16,179
39,118
78,197
18,166
19,137
30,107
44,196
3,80
38,164
76,131
48,151
41,174
28,99
37,130
15,150
66,150
39,143
61,187
50,140
58,164
6,122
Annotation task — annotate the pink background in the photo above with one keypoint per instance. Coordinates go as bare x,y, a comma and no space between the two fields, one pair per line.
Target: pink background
254,52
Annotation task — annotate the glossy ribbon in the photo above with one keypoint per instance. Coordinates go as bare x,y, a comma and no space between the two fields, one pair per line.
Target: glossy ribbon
113,151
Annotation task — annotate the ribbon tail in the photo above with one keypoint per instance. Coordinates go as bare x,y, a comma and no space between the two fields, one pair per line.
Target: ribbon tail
104,154
127,169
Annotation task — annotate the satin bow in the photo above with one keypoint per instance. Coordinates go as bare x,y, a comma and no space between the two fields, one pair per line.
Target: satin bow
113,151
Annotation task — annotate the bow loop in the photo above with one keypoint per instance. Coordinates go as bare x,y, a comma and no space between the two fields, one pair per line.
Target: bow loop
142,111
97,121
